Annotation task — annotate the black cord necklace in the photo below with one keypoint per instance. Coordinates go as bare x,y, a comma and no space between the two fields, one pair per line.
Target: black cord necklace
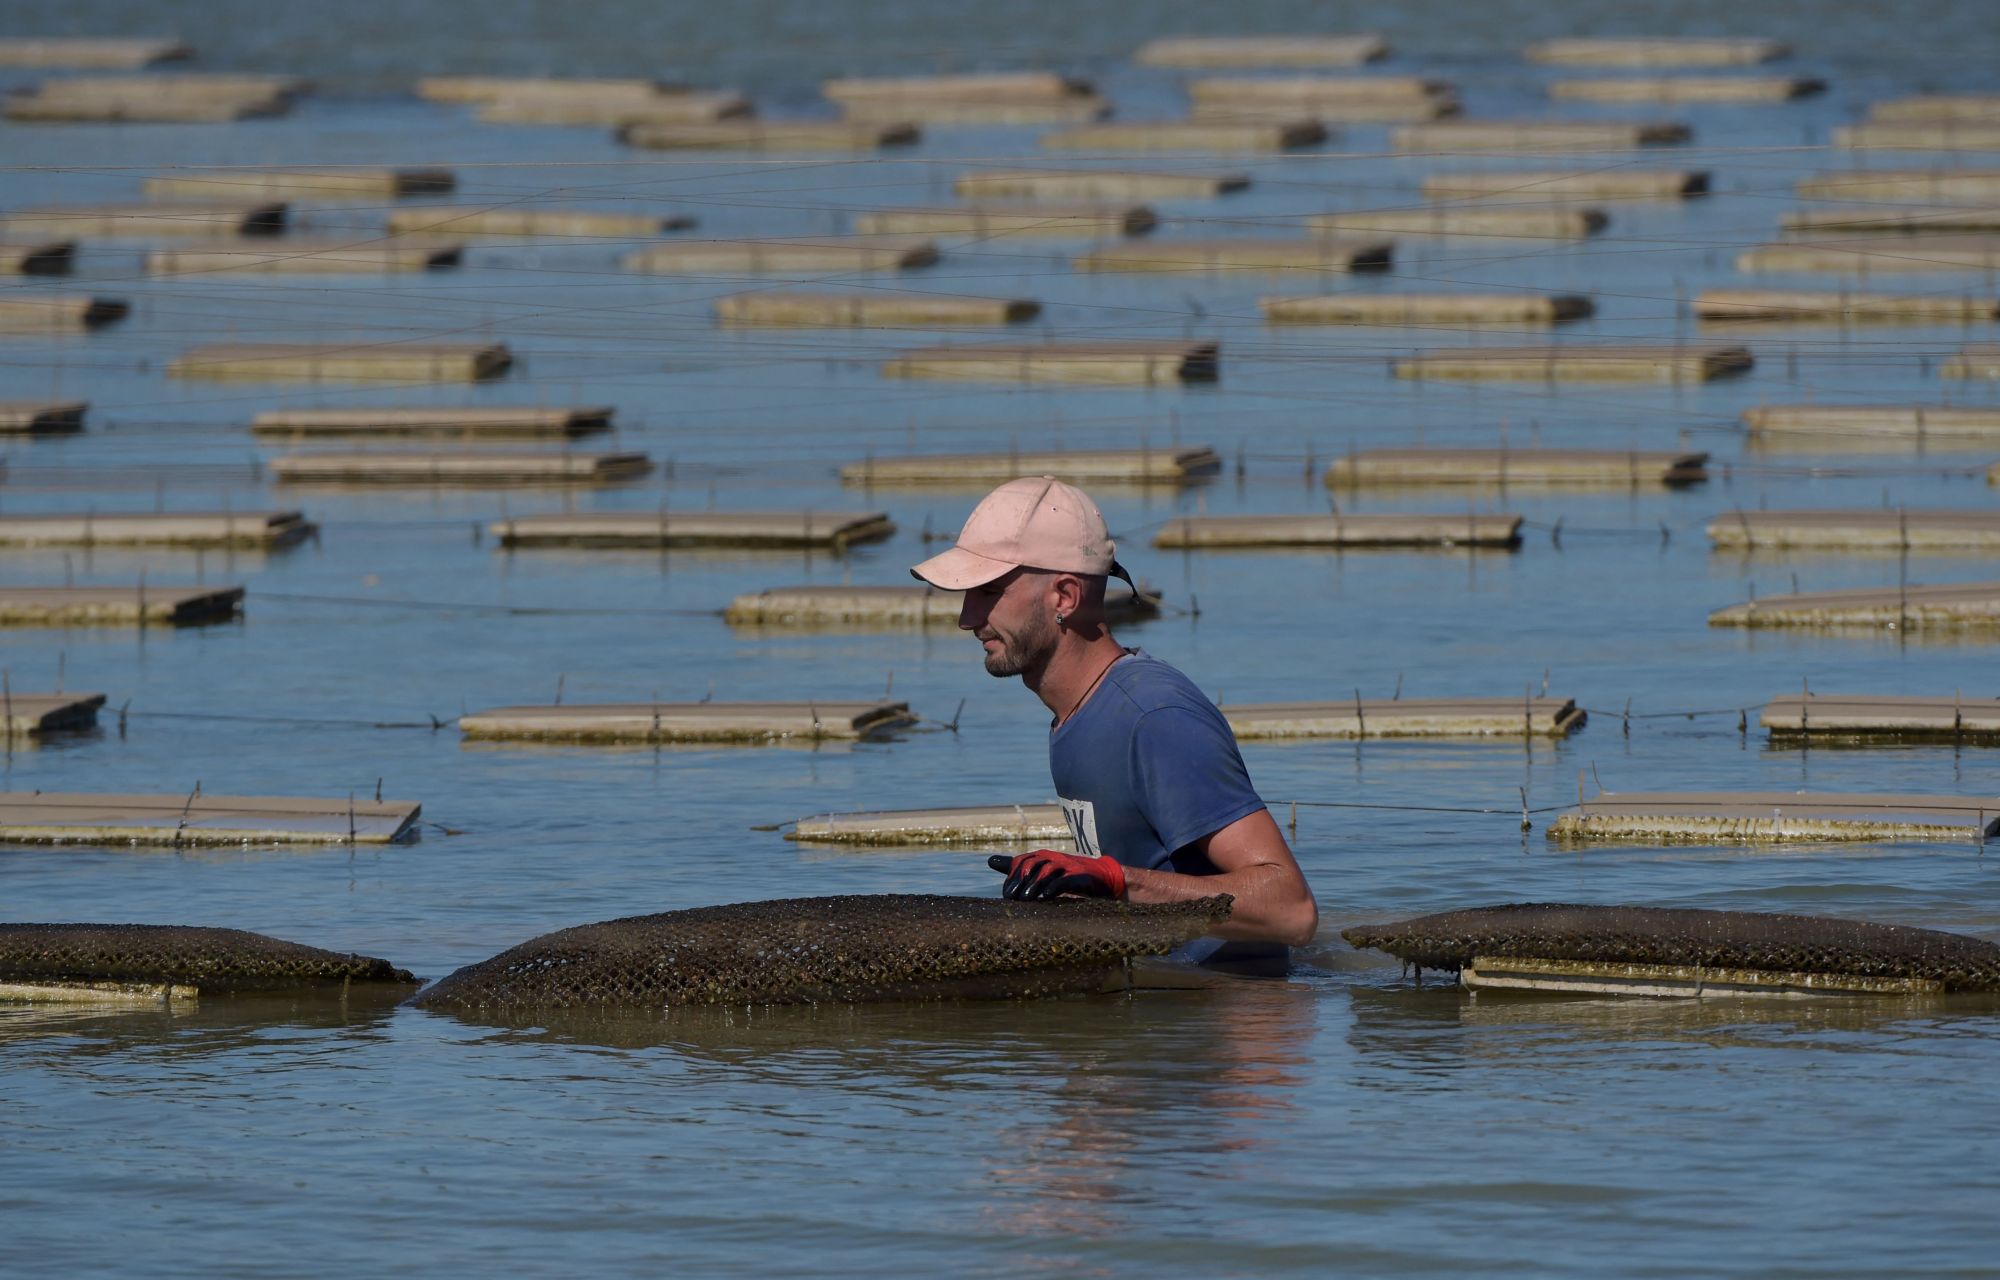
1091,688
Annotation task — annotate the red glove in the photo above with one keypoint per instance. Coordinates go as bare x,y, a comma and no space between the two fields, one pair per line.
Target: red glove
1047,873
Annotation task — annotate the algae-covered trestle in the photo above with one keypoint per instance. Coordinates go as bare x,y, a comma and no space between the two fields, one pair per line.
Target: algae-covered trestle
1096,184
143,963
1204,136
1916,425
845,949
1915,607
1337,530
38,713
488,467
1876,256
1664,951
103,52
1522,308
1687,89
220,217
770,135
1528,137
1656,51
1667,362
1327,254
192,818
1710,817
1104,361
1974,360
1842,306
265,529
835,530
868,607
145,604
1074,222
790,253
1499,468
1504,222
1038,823
387,360
514,421
1262,51
349,182
291,256
1561,186
1531,717
1169,464
1899,529
643,722
1871,717
869,309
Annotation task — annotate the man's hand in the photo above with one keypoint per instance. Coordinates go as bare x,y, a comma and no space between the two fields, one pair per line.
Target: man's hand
1047,873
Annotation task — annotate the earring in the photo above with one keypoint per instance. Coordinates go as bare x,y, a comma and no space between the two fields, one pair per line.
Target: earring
1061,618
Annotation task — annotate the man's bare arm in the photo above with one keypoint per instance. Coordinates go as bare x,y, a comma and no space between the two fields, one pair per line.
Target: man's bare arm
1273,903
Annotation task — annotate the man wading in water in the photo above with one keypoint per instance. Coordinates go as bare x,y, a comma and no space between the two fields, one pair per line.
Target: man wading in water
1145,766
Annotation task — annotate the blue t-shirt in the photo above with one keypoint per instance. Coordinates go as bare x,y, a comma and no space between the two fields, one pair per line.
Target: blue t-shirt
1147,766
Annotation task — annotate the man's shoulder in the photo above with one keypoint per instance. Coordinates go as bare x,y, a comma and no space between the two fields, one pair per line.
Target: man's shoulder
1146,684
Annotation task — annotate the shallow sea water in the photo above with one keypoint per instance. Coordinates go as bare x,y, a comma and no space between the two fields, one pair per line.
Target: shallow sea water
1345,1120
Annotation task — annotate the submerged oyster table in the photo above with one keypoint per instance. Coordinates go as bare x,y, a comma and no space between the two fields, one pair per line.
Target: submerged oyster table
836,530
1096,184
1407,718
54,817
1107,361
1861,530
1168,465
214,218
1703,817
866,309
1916,425
1663,362
365,361
38,713
346,183
497,420
688,721
1864,718
1942,607
141,605
469,468
1336,530
1559,186
1842,306
265,529
1426,308
59,313
41,417
974,824
1501,468
869,607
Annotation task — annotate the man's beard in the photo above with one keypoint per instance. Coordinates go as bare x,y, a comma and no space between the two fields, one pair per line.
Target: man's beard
1028,649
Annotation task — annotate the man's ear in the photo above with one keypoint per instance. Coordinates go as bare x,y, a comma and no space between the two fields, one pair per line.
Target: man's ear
1066,593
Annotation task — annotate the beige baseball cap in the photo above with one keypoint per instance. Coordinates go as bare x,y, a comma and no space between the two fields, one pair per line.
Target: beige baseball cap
1037,522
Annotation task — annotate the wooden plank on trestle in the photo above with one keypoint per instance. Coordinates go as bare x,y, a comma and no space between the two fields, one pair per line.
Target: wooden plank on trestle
1569,223
903,606
664,110
1321,254
1841,306
1339,531
775,530
142,605
106,52
1548,186
531,220
1898,530
1936,185
366,361
1407,718
1174,464
289,255
1709,817
57,313
41,417
1663,362
964,824
1863,718
39,713
1427,308
1656,51
869,309
36,257
1208,136
986,221
1530,136
1974,360
1916,424
358,182
770,135
1939,607
1906,219
1883,255
1096,184
1687,89
972,86
148,221
268,530
791,253
688,722
55,817
1505,467
1145,361
484,420
1262,51
486,467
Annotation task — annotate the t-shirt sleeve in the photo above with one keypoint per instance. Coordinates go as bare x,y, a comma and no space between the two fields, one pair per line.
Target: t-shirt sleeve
1188,775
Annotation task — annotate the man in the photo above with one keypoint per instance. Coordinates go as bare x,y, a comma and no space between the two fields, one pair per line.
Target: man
1145,766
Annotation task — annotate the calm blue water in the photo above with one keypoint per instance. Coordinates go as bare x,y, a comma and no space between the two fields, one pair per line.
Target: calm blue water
1343,1121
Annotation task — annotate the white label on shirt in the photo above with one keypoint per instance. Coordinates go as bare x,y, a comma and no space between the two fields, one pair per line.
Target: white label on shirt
1082,818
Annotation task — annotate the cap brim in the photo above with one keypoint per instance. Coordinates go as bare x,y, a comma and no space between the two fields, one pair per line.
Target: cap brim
960,570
